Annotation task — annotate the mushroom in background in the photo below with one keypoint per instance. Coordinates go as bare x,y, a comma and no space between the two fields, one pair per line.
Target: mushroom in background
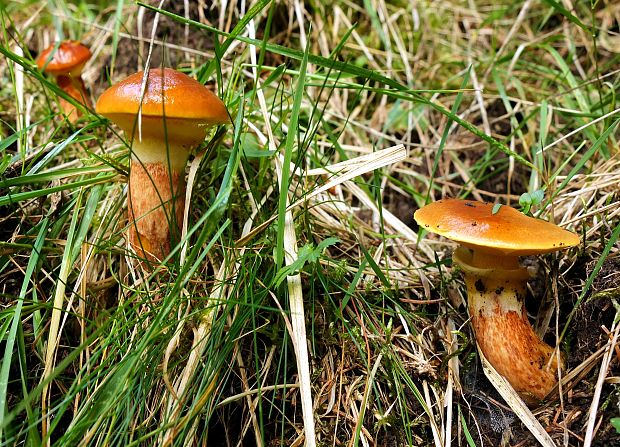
66,62
176,112
491,244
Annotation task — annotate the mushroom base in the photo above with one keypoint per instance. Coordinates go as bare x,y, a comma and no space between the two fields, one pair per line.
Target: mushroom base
156,205
504,334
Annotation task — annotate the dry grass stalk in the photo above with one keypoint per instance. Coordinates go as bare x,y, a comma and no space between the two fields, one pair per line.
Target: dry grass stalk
594,406
516,403
298,322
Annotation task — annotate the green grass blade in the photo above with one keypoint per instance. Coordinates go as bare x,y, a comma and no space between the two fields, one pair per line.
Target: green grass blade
289,146
566,13
354,70
16,321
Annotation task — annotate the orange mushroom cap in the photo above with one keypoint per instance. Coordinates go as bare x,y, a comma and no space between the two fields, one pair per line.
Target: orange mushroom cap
507,232
69,56
187,105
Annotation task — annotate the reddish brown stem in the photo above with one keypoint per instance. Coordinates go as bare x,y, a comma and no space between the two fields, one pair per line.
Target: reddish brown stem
74,87
156,204
503,332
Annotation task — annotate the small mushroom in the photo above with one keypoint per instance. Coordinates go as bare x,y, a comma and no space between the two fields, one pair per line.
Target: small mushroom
66,62
490,247
176,112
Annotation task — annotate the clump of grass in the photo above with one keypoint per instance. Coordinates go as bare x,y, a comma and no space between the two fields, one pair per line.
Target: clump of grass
297,207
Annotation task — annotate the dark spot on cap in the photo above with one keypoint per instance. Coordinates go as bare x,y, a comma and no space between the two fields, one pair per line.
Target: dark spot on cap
480,287
499,290
470,204
473,224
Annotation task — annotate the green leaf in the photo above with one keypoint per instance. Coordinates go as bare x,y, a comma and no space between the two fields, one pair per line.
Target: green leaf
307,253
252,147
496,208
537,196
527,200
615,423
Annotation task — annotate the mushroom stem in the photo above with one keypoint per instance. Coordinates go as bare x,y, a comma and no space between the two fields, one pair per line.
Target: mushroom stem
504,334
74,87
156,199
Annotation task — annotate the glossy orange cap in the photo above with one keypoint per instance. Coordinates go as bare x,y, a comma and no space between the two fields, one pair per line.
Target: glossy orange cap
187,105
70,55
507,232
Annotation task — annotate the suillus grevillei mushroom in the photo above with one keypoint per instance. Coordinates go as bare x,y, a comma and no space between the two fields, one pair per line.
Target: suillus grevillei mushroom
176,112
490,247
65,62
